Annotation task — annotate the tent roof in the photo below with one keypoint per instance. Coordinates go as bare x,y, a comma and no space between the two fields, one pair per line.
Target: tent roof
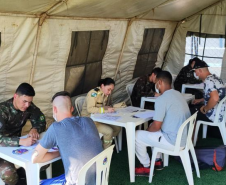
173,10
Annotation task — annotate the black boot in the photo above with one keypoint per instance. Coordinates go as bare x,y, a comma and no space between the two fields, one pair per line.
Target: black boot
21,176
21,172
21,182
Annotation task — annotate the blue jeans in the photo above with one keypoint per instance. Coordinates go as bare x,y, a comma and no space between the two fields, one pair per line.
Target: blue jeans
60,180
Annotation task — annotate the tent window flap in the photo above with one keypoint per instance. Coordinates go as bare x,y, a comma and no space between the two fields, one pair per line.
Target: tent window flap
148,53
85,57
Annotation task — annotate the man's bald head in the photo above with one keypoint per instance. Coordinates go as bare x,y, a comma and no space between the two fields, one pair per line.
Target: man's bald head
63,103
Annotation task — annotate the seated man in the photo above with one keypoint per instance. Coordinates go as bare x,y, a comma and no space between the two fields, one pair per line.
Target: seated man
186,76
145,86
171,110
214,92
76,137
14,114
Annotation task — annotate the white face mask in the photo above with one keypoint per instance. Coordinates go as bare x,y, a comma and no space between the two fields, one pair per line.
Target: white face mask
156,90
197,77
54,117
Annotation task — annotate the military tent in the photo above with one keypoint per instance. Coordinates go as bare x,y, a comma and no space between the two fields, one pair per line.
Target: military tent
71,44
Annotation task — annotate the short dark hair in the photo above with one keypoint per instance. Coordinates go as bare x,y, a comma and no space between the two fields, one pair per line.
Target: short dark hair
106,81
165,76
156,70
61,93
25,89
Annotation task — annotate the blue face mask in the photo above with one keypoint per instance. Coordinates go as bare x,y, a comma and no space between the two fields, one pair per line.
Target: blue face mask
197,77
54,117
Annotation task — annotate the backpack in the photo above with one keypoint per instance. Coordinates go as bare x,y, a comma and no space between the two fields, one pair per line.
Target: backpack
209,157
214,157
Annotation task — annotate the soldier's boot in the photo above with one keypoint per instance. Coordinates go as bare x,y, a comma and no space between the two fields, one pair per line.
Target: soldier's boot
22,177
21,173
21,182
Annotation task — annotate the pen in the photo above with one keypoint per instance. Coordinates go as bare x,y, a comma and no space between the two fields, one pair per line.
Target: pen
135,116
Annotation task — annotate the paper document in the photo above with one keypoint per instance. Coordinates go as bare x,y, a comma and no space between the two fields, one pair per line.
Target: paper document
129,109
145,115
108,117
30,147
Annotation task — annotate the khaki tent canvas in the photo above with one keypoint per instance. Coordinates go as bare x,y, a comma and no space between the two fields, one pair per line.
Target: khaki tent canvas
71,44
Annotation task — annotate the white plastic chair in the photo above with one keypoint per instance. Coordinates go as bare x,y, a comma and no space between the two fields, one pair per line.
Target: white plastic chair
102,161
116,143
216,123
178,151
78,105
129,90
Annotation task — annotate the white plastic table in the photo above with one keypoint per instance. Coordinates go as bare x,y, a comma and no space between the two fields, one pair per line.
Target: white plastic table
188,98
24,160
192,86
129,122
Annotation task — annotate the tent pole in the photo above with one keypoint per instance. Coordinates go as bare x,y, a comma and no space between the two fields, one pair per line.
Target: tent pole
41,20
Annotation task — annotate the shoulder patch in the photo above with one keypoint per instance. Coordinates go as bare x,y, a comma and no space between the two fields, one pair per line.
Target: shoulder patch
96,89
42,118
93,94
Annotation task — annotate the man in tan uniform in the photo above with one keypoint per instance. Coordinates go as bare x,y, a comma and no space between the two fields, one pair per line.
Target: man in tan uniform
96,102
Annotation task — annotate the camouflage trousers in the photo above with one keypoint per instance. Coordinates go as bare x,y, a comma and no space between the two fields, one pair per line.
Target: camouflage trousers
8,172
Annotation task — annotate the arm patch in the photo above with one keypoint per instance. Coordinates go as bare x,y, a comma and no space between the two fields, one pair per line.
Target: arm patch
93,94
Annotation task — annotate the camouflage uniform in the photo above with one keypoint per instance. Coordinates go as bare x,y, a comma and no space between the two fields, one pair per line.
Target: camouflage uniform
186,76
11,123
143,87
94,103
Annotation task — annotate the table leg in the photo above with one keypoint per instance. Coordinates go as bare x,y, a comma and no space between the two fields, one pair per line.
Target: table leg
142,103
49,172
120,140
183,89
130,135
32,174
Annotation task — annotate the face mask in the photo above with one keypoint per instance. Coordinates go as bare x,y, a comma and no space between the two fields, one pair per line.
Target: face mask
197,77
156,90
54,117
